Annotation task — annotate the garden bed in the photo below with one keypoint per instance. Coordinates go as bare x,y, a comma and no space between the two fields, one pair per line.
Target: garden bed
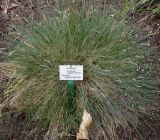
12,124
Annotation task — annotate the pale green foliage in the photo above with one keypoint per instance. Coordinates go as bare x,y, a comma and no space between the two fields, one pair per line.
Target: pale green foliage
117,84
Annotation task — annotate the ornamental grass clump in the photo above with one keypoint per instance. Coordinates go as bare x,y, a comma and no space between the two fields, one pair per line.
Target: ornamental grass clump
118,84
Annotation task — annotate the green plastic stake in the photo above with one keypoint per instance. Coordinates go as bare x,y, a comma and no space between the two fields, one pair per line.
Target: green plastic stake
71,95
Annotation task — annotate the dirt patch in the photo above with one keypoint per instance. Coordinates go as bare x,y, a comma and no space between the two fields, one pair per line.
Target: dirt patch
149,28
12,125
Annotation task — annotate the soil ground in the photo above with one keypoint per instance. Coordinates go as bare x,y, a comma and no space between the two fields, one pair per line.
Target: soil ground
11,128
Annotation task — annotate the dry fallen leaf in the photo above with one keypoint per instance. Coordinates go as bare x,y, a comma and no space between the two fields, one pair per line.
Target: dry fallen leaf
84,126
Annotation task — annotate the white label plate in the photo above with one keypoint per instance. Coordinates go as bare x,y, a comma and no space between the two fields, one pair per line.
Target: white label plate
71,72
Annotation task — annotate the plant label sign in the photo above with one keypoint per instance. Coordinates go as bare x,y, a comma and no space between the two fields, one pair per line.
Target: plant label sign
71,72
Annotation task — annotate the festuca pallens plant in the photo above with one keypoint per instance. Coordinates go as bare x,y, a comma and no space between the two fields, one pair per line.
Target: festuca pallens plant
117,85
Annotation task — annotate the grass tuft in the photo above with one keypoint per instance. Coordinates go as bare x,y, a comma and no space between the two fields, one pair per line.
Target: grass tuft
118,84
